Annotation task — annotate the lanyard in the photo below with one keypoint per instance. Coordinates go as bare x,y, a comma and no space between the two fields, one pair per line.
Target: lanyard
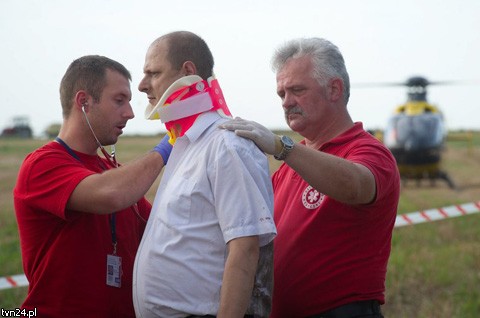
113,230
70,151
112,217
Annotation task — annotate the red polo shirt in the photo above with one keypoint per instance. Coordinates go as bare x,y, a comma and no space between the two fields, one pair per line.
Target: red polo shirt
328,253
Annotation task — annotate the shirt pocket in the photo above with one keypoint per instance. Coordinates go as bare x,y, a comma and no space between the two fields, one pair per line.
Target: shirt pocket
177,201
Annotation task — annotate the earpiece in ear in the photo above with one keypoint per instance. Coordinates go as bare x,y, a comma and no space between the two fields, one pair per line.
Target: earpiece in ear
84,105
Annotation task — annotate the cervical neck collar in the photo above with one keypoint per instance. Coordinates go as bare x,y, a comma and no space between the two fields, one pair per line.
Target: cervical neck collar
184,101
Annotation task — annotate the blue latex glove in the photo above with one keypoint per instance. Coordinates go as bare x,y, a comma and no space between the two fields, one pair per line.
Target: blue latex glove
164,148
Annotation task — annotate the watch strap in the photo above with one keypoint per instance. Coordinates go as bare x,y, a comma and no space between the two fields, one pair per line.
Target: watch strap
285,148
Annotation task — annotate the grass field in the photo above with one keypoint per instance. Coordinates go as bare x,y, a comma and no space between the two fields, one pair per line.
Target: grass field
434,270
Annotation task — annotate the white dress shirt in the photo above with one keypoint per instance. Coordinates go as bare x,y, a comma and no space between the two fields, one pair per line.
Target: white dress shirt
216,187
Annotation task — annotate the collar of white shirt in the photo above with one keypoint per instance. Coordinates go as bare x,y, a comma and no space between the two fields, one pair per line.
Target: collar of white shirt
203,122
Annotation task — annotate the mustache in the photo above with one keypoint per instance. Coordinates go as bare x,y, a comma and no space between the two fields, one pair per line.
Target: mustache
293,110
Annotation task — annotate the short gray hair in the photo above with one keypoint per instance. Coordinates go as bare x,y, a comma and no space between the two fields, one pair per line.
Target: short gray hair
326,57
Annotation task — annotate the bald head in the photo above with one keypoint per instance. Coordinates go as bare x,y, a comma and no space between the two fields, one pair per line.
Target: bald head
185,46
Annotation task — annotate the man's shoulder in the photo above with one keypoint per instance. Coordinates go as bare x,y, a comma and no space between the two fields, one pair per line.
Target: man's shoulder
44,152
230,140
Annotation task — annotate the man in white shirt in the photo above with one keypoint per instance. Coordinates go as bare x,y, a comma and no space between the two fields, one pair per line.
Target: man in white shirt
207,248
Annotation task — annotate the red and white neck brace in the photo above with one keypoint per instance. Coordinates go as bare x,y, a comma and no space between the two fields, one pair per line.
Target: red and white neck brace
184,101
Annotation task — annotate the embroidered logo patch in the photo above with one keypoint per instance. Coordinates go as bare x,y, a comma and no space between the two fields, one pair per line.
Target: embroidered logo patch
311,198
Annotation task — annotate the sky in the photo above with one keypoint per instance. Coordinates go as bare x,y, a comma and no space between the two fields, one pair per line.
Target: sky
381,41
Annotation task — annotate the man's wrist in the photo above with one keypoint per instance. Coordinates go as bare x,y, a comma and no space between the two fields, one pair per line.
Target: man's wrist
278,145
164,148
287,145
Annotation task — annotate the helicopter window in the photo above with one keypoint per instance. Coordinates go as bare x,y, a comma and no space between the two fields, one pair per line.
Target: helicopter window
417,93
415,132
416,89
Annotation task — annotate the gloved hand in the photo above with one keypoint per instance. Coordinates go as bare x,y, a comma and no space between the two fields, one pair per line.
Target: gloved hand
164,148
267,141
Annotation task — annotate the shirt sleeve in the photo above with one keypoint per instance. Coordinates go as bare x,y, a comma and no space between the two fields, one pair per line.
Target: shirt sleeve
242,190
46,181
382,165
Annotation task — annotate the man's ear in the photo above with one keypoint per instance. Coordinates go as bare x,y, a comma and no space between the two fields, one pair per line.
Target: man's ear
81,100
335,88
189,68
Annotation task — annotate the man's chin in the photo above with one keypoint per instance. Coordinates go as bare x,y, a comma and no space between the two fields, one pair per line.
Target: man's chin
295,125
112,140
292,119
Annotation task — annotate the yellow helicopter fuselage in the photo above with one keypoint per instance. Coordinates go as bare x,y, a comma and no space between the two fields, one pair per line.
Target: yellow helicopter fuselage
415,135
415,108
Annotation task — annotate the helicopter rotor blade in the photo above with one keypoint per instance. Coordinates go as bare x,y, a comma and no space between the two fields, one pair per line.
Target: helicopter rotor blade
377,84
458,82
413,81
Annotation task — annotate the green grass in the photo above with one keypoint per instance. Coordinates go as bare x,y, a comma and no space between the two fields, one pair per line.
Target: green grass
434,269
12,153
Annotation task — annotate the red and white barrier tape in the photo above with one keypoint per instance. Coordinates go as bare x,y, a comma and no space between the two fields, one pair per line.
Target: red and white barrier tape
402,220
13,281
437,214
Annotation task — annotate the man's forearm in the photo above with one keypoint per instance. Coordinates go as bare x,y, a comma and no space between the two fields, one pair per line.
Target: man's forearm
343,180
239,276
116,189
137,178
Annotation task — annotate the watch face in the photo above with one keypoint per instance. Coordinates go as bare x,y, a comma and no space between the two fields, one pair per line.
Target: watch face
287,141
287,147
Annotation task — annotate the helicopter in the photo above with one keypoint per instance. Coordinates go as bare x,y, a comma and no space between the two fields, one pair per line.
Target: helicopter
416,134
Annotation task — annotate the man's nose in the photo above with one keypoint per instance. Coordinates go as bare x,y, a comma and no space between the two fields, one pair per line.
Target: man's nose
129,112
142,86
288,101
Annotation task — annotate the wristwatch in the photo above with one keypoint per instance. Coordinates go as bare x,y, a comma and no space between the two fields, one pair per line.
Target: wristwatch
287,146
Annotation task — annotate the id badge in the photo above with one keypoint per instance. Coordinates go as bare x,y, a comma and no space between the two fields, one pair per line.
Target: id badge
114,271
